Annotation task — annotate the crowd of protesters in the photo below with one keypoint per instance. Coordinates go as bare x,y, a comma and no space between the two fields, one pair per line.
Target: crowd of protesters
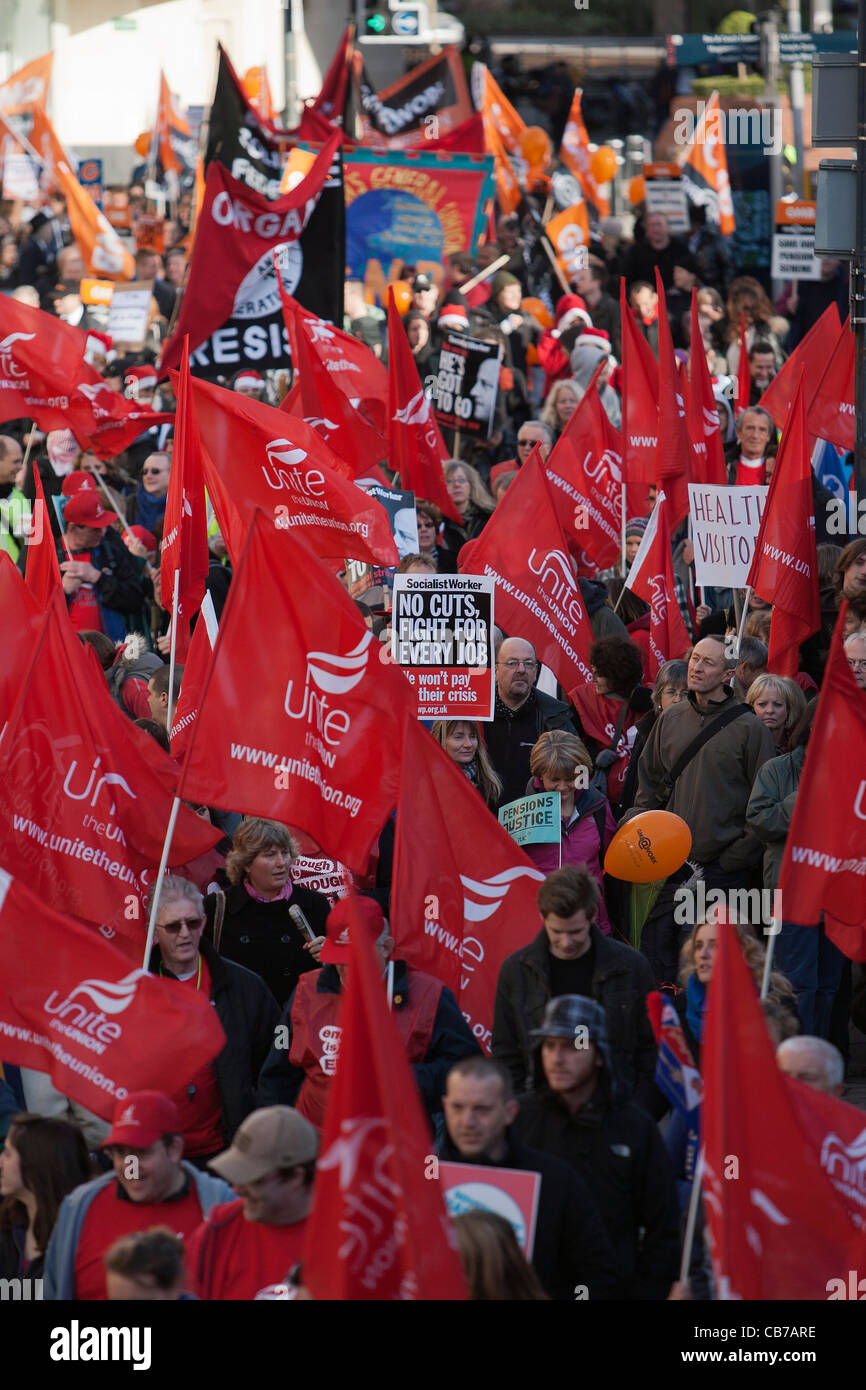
204,1190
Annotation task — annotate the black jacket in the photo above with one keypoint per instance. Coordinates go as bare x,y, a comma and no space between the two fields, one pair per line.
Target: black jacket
249,1014
512,733
263,937
280,1081
572,1248
620,1155
621,980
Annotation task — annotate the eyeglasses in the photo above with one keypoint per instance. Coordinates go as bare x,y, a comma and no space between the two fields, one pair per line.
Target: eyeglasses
857,663
512,664
527,443
151,470
174,927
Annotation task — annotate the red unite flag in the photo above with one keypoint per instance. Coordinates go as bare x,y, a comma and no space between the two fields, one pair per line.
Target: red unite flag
464,894
784,568
71,1006
674,447
379,1230
651,577
19,622
524,547
295,729
585,471
355,368
824,867
201,647
269,460
777,1227
415,446
831,410
85,796
708,453
184,547
42,570
640,399
811,355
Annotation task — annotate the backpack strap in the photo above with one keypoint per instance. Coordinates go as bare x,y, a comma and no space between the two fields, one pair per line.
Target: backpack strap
734,711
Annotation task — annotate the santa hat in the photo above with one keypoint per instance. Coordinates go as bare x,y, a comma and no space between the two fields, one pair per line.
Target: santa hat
249,380
595,337
454,316
98,345
145,376
77,481
569,310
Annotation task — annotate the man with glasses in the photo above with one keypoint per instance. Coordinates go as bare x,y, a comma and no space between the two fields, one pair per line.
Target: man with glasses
855,650
213,1103
709,787
521,715
530,434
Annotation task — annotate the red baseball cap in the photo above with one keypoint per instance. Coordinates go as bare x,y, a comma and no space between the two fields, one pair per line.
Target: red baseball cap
86,509
77,481
147,538
337,950
141,1119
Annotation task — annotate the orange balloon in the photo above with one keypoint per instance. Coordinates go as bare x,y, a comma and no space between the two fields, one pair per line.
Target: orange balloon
603,164
648,847
402,296
535,146
637,190
539,311
142,144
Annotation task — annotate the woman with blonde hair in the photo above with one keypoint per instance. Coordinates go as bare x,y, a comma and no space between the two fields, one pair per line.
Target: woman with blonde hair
563,398
697,960
559,762
493,1262
778,702
251,922
472,501
463,742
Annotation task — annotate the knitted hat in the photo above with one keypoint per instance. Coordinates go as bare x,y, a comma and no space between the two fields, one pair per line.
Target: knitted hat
501,280
636,526
571,309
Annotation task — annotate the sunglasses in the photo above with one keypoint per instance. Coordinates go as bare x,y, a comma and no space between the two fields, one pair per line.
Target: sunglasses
144,471
174,927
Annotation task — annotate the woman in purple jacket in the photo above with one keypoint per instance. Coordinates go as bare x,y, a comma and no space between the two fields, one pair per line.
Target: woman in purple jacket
559,762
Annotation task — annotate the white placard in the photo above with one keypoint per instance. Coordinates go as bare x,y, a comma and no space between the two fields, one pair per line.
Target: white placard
725,524
794,256
668,196
127,318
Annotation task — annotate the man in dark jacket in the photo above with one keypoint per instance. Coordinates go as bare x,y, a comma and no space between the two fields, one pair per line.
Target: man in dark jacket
100,578
224,1092
571,956
577,1113
521,715
572,1254
304,1057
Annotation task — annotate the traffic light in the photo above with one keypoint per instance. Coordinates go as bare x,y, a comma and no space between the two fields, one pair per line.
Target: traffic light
375,17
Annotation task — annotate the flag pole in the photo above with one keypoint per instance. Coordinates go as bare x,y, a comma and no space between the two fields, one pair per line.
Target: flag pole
623,521
692,1218
389,985
743,617
154,909
172,648
768,959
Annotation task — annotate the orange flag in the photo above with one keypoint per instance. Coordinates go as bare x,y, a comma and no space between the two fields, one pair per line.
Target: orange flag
508,191
705,168
574,152
568,234
258,89
168,119
27,89
498,113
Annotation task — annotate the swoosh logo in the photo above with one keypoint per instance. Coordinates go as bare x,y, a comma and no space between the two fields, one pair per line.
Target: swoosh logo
111,998
495,888
339,674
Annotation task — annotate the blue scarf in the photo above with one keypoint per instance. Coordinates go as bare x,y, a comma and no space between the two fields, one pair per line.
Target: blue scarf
696,1003
149,510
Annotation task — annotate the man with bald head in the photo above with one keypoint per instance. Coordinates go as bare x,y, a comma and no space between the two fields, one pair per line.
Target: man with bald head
709,786
14,507
814,1061
521,715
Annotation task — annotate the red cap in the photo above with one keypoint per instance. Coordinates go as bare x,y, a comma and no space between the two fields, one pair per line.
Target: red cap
86,509
336,950
77,481
141,533
142,1118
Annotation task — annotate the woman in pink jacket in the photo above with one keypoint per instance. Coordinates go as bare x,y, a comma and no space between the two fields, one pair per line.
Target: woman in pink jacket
559,762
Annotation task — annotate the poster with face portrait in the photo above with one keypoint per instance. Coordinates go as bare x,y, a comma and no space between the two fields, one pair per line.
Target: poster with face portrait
372,583
464,391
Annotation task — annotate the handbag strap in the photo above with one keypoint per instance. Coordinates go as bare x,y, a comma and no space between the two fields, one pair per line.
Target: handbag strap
709,731
219,913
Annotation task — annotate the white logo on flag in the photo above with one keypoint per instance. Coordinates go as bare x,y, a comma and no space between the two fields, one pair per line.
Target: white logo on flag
7,364
340,674
108,996
417,412
495,888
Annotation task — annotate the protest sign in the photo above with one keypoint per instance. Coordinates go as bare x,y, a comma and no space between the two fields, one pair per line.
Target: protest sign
373,582
666,193
534,819
127,317
321,875
442,637
509,1192
411,207
20,175
794,243
465,388
432,97
725,524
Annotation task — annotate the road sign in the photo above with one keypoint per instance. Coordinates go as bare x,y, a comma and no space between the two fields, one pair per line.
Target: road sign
690,50
407,21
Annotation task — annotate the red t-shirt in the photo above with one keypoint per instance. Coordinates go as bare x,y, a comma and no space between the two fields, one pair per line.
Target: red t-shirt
231,1259
111,1215
750,472
84,611
199,1101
